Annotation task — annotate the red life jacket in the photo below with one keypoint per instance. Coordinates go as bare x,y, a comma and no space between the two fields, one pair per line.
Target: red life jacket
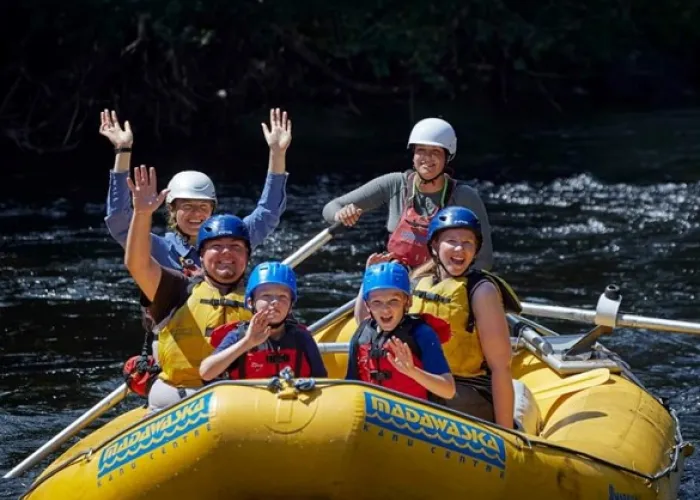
270,357
409,241
371,364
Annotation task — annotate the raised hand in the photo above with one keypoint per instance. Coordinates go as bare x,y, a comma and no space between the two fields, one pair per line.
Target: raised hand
400,356
378,258
348,215
279,135
258,329
144,190
112,130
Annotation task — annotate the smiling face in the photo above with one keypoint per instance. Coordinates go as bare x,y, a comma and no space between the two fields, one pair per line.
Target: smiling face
388,307
456,249
274,298
225,259
428,161
189,214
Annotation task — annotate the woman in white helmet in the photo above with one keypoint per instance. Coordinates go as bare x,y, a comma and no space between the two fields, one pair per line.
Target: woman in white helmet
415,196
192,197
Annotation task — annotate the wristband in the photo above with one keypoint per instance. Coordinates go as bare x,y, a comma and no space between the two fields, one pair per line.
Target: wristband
122,150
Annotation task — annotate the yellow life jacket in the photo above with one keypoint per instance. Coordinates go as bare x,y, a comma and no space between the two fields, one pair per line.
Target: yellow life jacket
183,342
450,300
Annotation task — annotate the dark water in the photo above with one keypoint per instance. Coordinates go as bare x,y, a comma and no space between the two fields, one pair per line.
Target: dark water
69,316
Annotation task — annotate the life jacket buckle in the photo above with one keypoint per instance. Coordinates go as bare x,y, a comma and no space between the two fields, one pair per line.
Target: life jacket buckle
380,375
377,353
277,358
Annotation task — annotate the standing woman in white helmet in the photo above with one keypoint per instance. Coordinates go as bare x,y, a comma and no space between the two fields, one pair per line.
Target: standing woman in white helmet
415,196
192,197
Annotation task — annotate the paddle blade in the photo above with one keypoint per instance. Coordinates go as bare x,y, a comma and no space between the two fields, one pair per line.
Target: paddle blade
571,384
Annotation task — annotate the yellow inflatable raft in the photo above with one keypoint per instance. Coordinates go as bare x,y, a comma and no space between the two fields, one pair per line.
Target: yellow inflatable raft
597,435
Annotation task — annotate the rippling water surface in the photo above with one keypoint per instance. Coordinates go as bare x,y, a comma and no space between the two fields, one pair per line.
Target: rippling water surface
69,317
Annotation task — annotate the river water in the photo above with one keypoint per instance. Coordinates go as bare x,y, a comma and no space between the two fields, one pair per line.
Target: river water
613,199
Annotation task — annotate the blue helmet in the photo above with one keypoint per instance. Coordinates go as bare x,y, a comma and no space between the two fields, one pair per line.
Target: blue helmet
454,218
271,273
386,276
222,226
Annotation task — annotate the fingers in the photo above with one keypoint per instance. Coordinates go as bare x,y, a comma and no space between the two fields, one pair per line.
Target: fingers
127,126
266,131
115,120
152,179
162,196
348,215
400,350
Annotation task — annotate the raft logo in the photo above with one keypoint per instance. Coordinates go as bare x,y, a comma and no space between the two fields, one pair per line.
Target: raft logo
614,495
435,429
151,435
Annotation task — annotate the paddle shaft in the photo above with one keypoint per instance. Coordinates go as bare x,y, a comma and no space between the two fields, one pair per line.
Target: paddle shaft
109,402
623,319
311,246
120,393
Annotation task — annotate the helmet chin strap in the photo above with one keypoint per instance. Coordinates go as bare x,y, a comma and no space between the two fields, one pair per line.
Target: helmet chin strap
437,260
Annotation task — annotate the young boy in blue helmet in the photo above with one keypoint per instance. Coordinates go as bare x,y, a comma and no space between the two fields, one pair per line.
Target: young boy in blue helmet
271,341
393,349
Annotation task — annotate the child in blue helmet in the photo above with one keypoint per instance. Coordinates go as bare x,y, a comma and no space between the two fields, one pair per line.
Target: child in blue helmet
271,341
474,302
393,349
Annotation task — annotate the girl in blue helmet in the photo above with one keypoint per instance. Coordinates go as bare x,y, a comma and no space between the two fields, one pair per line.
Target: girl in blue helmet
474,303
272,340
393,349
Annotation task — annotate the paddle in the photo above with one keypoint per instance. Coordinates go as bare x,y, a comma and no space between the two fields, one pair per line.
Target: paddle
574,383
607,314
120,393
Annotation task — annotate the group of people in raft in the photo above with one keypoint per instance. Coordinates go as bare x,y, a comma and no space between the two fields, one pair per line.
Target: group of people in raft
431,318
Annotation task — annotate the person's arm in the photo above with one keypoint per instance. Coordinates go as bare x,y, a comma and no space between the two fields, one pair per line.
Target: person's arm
137,257
495,343
119,212
435,375
313,354
351,372
467,197
361,311
118,199
230,350
369,196
273,201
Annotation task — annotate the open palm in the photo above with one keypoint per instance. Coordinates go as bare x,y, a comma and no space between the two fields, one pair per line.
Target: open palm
112,129
144,192
279,134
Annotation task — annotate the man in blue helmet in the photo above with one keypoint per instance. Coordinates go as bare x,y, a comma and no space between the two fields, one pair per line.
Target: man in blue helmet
185,309
272,340
393,349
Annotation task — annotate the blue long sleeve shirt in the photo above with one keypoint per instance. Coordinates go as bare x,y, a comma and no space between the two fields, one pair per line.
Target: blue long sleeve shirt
172,250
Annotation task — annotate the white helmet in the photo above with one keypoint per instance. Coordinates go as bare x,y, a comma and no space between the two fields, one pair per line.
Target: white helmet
192,185
434,132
